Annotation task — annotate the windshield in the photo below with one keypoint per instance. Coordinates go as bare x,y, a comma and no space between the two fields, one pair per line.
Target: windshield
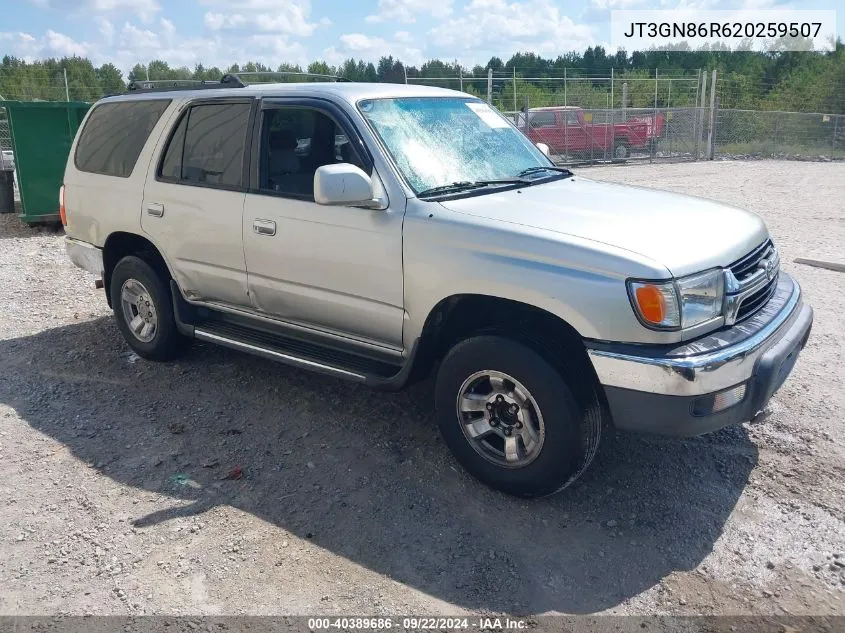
436,141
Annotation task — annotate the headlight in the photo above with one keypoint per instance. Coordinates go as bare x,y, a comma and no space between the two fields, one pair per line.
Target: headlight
702,296
682,303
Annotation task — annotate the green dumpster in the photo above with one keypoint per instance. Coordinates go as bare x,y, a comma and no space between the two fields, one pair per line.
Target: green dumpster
42,132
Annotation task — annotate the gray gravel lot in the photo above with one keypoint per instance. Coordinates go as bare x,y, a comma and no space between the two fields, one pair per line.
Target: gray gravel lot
114,495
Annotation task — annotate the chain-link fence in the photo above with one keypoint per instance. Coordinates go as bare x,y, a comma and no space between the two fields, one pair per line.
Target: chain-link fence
597,118
785,135
5,135
601,116
578,135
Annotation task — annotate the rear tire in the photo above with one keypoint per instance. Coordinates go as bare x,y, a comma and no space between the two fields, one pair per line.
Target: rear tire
476,417
144,310
621,151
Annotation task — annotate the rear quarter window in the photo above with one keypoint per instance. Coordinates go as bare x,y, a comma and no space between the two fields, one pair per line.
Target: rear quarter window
115,134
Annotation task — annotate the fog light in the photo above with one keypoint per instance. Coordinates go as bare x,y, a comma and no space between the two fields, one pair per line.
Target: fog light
719,402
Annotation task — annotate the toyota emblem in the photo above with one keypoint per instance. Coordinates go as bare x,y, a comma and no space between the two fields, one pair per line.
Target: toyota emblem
769,266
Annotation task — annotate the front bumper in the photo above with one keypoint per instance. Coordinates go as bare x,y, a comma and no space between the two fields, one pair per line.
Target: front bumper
672,390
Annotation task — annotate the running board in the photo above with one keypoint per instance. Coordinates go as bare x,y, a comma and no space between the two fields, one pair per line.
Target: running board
260,339
275,355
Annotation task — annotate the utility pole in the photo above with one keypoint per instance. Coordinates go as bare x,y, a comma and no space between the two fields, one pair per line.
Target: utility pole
67,93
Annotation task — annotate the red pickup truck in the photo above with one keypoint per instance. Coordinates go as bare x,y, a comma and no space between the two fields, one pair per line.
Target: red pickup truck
569,130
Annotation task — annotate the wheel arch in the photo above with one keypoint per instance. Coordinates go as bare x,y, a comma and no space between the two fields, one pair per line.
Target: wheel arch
120,244
460,316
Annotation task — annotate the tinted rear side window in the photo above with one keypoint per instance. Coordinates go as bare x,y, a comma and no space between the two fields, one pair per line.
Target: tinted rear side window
171,166
115,134
214,144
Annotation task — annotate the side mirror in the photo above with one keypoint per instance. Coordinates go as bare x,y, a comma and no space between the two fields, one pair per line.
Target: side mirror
343,184
543,148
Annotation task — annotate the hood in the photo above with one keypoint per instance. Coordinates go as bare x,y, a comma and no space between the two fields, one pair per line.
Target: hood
682,233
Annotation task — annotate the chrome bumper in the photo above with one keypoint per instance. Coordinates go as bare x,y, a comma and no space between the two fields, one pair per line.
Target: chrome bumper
85,255
695,374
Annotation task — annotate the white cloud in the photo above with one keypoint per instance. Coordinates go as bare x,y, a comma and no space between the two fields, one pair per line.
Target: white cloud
406,11
495,27
51,44
144,9
142,45
106,31
369,48
402,36
269,16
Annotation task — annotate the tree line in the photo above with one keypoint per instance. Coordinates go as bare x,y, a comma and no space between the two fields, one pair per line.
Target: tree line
785,80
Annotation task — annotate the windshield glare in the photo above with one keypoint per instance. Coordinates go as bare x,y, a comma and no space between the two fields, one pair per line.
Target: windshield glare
440,140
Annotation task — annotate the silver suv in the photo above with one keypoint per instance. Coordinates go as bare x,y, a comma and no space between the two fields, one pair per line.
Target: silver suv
380,233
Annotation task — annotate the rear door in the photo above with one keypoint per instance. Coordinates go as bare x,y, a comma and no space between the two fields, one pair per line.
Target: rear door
193,202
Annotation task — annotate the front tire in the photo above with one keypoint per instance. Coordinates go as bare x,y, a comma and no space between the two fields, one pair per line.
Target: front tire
509,417
144,310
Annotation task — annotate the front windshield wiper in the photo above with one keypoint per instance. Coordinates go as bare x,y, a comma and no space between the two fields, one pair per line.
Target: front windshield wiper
539,168
466,185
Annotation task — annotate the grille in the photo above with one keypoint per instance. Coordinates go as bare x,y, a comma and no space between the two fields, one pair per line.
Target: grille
744,268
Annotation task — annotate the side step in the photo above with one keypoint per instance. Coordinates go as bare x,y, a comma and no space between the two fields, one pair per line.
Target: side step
261,339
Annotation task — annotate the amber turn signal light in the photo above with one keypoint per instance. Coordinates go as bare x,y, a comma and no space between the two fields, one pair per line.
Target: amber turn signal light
651,303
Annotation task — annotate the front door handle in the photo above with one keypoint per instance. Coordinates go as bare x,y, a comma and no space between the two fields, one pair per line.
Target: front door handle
155,209
264,227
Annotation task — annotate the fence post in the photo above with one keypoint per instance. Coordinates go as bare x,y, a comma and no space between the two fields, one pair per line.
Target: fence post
461,77
835,132
699,115
710,137
695,114
514,88
654,117
490,86
714,118
564,85
611,91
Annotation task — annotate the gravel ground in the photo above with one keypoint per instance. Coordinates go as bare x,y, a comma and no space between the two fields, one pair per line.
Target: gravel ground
115,497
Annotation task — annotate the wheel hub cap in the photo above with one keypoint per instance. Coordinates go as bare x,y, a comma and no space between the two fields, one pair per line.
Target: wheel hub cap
500,419
139,310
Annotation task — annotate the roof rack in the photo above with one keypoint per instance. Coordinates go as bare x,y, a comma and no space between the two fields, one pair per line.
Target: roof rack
159,85
290,73
229,80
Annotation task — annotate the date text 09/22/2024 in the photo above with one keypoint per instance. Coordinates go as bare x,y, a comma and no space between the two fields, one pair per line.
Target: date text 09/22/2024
418,623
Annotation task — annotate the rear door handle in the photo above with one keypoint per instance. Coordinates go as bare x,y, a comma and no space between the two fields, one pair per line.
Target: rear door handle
155,209
264,227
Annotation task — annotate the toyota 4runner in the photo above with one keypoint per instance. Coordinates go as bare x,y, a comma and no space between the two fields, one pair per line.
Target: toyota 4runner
380,232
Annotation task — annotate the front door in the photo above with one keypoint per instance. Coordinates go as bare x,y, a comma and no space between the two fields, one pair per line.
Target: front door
193,203
333,268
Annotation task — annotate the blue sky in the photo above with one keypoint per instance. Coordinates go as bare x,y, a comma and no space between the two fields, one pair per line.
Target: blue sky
220,32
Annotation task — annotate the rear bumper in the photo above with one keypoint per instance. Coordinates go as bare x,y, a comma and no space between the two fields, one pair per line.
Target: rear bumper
679,391
85,255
